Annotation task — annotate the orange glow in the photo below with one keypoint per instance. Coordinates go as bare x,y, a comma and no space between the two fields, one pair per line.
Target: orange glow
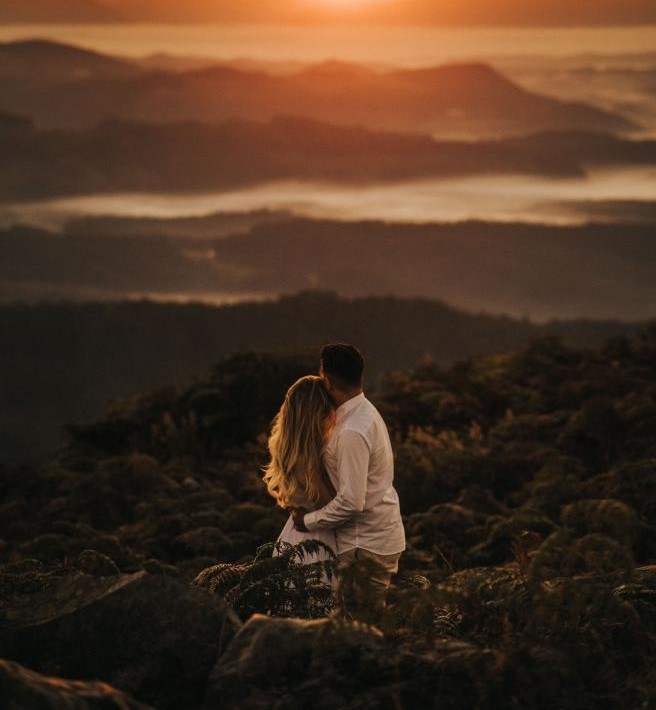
343,4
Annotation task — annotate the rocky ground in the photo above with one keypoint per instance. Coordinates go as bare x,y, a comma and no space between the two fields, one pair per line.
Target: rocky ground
130,575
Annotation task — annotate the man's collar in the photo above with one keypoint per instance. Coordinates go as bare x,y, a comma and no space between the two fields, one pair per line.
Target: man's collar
350,404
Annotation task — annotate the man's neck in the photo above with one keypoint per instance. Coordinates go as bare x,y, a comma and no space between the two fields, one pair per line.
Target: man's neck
340,398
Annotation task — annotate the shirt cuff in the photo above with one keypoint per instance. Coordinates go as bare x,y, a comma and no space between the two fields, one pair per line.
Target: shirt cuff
310,521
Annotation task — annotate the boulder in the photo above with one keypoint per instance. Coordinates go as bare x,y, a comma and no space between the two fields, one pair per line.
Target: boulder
95,563
153,636
326,664
21,687
277,657
206,540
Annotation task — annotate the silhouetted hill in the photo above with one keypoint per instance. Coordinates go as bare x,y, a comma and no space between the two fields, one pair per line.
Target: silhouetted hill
117,156
11,125
209,226
62,361
336,71
595,271
590,147
598,270
614,210
459,99
43,61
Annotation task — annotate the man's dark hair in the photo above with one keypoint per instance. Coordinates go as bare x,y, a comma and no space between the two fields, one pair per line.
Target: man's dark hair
344,364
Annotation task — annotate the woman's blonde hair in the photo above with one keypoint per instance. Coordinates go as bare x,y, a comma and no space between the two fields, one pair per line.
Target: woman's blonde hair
298,435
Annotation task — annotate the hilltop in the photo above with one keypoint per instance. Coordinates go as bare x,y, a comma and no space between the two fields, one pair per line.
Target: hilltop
527,482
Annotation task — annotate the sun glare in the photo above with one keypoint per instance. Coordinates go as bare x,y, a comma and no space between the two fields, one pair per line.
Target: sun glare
343,4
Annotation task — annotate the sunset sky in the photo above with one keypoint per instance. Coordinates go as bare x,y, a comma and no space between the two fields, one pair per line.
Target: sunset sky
406,11
438,12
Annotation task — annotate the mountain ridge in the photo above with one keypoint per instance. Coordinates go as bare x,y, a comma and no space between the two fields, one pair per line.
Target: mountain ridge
138,156
468,98
42,59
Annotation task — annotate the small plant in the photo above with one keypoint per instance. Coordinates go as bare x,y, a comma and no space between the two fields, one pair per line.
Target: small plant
277,581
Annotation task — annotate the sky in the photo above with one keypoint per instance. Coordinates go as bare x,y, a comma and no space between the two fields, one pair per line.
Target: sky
427,12
488,12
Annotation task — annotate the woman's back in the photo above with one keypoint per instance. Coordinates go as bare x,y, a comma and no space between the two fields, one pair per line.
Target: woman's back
300,499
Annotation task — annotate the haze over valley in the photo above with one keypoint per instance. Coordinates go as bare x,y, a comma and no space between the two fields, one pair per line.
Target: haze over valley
507,173
195,198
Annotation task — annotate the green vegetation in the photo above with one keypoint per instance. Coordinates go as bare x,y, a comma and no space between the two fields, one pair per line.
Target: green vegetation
280,584
63,362
528,486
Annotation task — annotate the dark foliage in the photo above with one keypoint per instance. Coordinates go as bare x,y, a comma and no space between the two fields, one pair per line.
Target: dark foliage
527,487
279,584
63,362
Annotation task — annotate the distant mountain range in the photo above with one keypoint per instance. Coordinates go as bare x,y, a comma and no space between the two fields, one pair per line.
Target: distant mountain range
42,62
592,271
60,86
147,157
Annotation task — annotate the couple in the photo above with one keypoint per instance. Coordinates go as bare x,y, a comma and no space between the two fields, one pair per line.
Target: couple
332,467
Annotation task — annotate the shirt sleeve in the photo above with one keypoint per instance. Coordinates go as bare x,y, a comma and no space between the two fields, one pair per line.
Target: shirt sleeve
352,452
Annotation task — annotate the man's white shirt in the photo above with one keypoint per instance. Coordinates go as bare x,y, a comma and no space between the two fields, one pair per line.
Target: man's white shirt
359,460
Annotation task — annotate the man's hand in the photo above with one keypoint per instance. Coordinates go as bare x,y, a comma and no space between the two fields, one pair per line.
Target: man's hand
298,514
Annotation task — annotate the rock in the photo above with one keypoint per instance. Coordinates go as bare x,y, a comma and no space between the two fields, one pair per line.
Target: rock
152,636
94,562
22,688
109,498
23,566
480,500
271,656
448,518
208,540
68,540
47,547
443,532
190,483
154,566
324,664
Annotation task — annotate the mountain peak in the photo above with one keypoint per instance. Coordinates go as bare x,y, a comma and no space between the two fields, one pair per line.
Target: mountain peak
55,59
479,72
335,69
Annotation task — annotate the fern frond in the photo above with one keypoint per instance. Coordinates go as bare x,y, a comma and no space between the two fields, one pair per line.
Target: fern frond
282,584
220,578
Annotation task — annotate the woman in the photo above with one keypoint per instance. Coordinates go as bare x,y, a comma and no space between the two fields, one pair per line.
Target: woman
295,475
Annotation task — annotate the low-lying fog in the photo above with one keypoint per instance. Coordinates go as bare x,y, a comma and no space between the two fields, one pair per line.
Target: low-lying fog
403,46
497,198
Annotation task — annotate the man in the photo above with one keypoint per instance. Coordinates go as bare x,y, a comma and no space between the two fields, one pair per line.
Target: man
365,512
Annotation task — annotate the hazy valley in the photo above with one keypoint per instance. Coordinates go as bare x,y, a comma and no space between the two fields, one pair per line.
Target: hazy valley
188,212
180,178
